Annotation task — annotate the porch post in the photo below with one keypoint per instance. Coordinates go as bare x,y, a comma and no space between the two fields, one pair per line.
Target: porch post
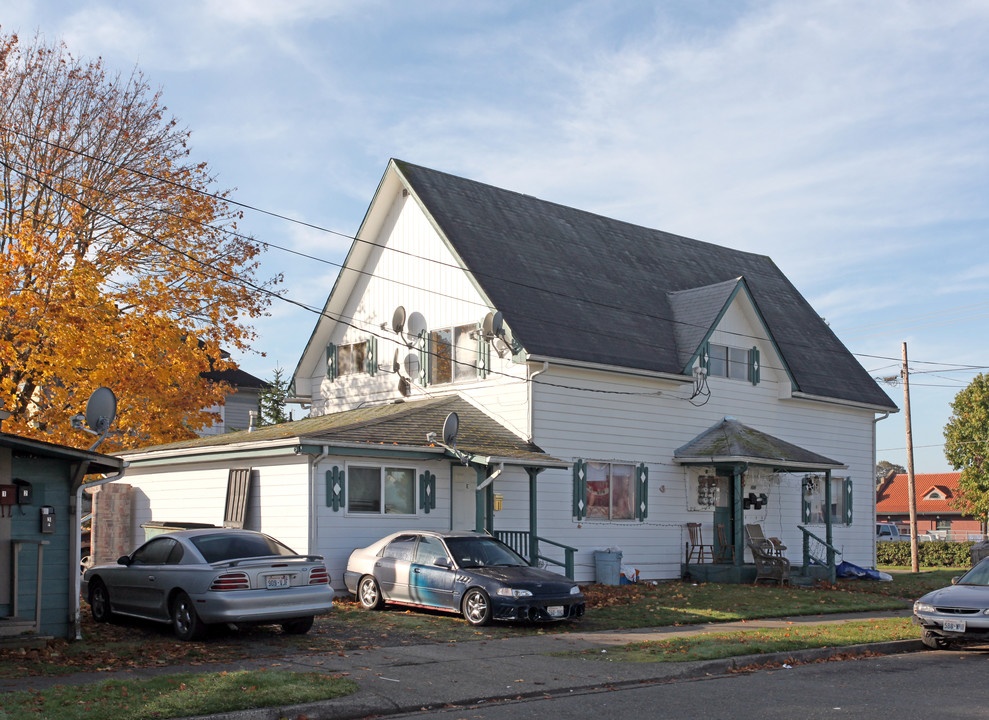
738,539
480,516
828,534
533,517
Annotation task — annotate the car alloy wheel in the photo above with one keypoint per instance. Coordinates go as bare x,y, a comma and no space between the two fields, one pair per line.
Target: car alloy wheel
370,594
477,607
185,621
99,602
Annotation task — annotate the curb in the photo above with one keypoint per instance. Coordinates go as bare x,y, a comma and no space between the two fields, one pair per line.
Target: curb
363,703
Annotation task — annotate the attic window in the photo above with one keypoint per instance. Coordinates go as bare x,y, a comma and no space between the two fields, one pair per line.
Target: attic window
934,494
729,362
351,358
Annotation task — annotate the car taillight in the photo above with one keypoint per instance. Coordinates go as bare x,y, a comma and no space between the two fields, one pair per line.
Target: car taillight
231,581
319,576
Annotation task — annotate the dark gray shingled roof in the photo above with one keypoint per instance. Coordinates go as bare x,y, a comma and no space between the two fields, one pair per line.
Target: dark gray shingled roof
397,424
731,441
579,286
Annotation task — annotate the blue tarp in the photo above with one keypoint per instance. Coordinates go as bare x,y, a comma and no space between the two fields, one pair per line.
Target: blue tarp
848,570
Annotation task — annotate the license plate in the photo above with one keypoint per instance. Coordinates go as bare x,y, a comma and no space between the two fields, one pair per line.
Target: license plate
555,610
954,625
274,582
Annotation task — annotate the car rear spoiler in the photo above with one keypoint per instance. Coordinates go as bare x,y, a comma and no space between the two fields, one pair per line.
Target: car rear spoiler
266,559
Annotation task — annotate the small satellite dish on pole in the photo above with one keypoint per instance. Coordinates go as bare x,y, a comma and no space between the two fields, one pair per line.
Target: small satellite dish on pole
451,426
416,327
101,411
398,319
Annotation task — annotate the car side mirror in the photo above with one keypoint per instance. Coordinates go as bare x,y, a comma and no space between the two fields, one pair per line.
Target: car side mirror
124,560
955,579
443,563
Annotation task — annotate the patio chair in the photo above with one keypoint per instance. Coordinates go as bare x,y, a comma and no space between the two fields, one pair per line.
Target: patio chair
755,534
697,544
726,550
768,565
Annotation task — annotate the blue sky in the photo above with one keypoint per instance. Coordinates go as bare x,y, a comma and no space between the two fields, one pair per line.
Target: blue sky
848,141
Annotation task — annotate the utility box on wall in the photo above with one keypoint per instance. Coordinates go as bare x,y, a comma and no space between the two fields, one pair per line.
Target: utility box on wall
47,519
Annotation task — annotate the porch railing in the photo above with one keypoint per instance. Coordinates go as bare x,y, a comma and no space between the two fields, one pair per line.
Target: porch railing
523,542
818,551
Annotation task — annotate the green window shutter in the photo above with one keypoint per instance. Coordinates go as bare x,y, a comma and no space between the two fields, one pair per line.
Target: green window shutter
331,361
483,355
427,492
846,488
335,489
579,489
754,365
371,356
424,357
642,492
805,501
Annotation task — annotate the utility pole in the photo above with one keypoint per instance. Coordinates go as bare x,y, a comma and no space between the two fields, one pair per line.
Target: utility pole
911,485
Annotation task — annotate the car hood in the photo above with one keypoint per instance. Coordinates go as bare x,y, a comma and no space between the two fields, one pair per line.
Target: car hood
523,576
965,596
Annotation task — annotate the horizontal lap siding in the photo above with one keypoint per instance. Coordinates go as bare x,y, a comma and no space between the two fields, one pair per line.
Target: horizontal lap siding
277,504
640,428
418,272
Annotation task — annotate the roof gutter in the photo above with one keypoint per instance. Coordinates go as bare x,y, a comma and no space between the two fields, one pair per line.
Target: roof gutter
847,403
617,369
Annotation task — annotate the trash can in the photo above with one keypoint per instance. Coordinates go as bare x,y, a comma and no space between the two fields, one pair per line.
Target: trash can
607,566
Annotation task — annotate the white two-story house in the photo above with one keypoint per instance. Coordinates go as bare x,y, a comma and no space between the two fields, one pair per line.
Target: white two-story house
611,384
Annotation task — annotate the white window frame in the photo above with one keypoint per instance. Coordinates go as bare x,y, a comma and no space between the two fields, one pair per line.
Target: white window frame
611,494
459,371
382,469
721,362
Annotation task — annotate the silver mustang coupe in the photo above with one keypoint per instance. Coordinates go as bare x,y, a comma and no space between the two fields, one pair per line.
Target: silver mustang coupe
462,572
194,578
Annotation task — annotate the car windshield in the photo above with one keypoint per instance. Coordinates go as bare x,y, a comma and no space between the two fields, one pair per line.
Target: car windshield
482,552
979,575
229,546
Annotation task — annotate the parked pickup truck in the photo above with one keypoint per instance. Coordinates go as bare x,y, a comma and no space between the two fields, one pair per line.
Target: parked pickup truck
889,531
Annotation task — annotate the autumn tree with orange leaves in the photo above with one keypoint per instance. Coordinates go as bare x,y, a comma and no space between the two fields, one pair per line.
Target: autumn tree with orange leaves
121,266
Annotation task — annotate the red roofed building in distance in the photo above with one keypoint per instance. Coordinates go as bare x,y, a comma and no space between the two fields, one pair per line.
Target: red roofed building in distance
935,515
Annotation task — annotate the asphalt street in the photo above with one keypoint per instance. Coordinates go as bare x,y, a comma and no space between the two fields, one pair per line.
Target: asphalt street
944,684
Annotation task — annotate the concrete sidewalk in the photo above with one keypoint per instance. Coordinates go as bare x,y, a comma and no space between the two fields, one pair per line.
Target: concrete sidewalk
412,678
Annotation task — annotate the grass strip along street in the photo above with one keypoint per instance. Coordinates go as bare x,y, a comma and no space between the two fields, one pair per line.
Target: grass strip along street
175,696
714,645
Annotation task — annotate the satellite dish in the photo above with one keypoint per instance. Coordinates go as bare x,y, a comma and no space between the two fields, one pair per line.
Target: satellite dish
486,325
101,410
417,325
451,426
497,324
398,319
411,365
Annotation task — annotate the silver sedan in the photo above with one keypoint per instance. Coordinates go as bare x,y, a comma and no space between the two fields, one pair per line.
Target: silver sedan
959,613
194,578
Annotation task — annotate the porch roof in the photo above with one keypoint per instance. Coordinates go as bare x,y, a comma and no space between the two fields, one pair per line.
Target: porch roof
729,442
389,427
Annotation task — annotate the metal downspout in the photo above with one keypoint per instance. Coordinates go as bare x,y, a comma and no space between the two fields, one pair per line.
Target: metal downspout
529,419
313,516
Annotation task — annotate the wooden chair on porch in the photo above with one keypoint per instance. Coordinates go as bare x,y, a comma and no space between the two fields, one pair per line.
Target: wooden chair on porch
726,550
697,545
769,565
755,534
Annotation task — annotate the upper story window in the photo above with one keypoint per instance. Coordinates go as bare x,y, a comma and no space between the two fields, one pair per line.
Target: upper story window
453,354
352,358
731,362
